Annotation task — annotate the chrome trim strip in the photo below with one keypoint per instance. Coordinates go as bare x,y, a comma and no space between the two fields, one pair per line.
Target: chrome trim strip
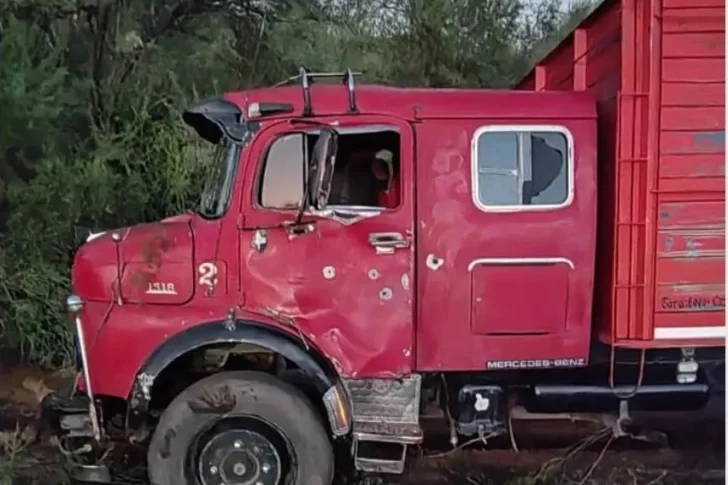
520,262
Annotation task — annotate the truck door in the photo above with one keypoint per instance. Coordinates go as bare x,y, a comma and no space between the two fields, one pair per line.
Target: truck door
506,220
342,277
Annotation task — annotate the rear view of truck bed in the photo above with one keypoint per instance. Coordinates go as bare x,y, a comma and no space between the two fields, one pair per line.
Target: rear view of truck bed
657,69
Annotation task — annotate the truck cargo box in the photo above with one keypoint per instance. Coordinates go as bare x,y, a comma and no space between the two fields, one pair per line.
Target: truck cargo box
657,70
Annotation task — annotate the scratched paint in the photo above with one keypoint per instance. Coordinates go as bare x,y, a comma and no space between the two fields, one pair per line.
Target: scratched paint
691,243
709,141
405,282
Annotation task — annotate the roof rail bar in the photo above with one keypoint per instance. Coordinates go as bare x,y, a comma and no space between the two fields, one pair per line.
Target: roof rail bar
349,81
306,78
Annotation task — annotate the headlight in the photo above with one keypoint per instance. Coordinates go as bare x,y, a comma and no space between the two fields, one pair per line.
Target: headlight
74,304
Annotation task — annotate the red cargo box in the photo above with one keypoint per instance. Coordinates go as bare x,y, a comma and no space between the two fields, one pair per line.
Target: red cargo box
657,69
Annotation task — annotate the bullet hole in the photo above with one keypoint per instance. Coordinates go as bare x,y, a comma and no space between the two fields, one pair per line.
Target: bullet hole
329,272
433,262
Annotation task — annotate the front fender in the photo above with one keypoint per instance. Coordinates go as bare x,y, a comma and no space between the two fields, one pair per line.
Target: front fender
314,364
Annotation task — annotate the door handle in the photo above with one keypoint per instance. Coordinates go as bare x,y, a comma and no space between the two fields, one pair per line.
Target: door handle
388,242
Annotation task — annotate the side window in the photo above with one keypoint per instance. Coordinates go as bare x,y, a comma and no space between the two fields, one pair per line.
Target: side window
521,167
281,184
367,171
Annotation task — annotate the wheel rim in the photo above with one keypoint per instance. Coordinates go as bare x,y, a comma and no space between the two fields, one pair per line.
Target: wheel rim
242,451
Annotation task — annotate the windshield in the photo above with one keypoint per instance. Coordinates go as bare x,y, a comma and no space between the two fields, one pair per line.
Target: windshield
220,178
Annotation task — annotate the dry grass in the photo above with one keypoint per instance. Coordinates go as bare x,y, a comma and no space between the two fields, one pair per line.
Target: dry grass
592,461
23,464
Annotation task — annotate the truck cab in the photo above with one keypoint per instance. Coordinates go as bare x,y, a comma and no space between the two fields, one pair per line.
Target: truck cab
358,253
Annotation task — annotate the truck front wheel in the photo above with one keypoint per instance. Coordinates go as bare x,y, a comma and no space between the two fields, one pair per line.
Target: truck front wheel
240,428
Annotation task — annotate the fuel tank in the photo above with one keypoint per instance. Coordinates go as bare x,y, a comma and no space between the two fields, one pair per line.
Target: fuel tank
147,263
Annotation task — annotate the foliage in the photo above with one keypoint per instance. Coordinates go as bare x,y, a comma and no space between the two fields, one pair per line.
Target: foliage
91,92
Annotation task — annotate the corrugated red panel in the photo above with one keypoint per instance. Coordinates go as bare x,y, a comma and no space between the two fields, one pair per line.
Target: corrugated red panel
657,68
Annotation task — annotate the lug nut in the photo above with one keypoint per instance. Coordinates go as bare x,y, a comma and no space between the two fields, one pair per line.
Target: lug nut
213,470
238,444
266,468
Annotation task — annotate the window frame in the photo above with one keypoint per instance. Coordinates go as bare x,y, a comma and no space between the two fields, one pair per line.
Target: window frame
515,128
344,130
263,165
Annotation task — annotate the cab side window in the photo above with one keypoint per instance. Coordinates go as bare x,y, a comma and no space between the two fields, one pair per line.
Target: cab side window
521,168
367,171
281,183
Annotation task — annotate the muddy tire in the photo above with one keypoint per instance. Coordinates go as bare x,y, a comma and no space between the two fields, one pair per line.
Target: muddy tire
240,427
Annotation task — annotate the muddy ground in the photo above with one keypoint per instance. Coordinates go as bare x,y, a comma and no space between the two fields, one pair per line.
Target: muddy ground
549,453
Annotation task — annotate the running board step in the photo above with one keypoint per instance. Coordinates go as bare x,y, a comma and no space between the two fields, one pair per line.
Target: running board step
382,447
380,465
386,421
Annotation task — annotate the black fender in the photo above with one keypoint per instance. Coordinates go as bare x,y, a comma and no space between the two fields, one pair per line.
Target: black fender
323,374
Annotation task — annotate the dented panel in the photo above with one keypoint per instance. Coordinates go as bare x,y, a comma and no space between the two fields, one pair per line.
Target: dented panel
332,284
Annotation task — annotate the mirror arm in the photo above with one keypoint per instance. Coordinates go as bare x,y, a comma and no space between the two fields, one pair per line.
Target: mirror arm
301,210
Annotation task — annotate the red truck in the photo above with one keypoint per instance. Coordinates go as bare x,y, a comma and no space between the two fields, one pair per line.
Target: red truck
363,253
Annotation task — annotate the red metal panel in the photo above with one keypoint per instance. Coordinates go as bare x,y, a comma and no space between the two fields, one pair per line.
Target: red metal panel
690,94
534,270
693,3
502,304
688,118
696,165
694,19
657,68
691,143
690,263
561,69
711,70
693,45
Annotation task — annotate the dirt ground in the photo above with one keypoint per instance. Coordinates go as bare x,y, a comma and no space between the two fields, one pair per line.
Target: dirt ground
583,458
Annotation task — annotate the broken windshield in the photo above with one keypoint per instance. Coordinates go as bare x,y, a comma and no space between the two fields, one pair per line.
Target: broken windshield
219,181
220,178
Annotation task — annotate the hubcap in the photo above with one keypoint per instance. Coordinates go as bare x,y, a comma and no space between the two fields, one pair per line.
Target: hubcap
239,457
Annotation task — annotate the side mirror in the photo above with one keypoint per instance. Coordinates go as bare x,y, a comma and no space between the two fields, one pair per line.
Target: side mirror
321,168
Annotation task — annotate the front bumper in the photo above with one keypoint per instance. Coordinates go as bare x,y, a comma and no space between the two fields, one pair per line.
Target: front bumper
68,419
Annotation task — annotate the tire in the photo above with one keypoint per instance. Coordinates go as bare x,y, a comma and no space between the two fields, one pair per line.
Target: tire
228,406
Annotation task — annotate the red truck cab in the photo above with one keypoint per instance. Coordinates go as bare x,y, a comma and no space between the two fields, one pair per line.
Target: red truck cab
361,253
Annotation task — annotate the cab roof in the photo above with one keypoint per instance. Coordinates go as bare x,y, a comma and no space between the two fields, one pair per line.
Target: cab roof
423,103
